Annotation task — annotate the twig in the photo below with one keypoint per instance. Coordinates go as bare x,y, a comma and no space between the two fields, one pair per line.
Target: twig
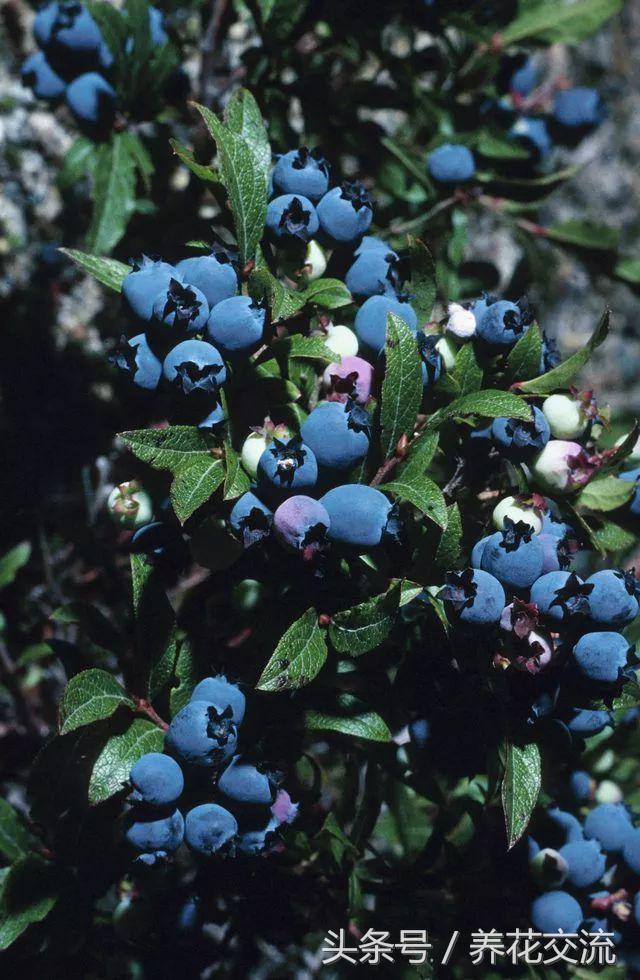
144,707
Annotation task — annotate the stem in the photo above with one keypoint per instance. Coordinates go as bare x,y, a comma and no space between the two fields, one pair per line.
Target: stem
144,707
415,223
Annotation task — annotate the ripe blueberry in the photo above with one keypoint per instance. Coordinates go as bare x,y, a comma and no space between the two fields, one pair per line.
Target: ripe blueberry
451,164
303,172
209,828
371,320
151,834
212,274
358,515
301,524
292,216
202,734
286,468
219,690
337,434
236,325
156,779
345,212
601,656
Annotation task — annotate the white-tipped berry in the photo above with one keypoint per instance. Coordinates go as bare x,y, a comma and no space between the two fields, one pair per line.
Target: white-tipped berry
561,466
315,261
447,351
252,449
515,511
548,868
609,792
129,505
461,322
341,340
565,416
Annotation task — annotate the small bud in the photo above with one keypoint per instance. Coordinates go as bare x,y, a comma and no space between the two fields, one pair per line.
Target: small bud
565,416
461,322
515,511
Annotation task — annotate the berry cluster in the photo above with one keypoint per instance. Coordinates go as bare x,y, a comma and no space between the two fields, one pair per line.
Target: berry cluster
75,63
244,805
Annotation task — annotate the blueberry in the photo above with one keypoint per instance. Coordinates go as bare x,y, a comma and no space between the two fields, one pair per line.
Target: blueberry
554,911
586,862
157,27
292,216
219,690
578,108
202,734
518,439
419,732
301,524
358,515
473,597
38,75
236,325
74,38
303,172
135,358
370,323
209,828
549,869
501,323
478,550
549,355
479,441
151,834
633,476
561,466
585,722
560,595
140,287
156,780
352,378
129,505
337,434
517,509
567,822
374,271
287,467
345,212
559,529
195,367
43,23
609,824
370,243
601,656
612,600
215,417
580,785
250,519
514,556
253,842
430,358
181,307
212,274
451,163
533,133
243,783
555,554
523,74
631,851
92,101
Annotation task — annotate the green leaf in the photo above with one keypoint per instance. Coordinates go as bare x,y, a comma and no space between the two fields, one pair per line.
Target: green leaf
283,303
113,195
112,767
92,622
496,147
423,284
91,695
561,376
202,170
109,272
584,234
29,892
606,493
424,494
243,116
450,544
420,456
187,675
520,787
364,627
408,591
194,483
14,836
236,481
417,170
467,372
628,269
156,634
612,537
523,361
78,162
330,294
488,403
141,158
297,345
354,720
244,182
560,22
12,561
402,385
298,657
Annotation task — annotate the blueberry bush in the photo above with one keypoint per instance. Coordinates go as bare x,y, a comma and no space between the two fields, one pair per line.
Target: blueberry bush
337,635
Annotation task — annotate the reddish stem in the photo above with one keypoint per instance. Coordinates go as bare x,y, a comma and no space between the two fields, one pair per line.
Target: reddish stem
144,707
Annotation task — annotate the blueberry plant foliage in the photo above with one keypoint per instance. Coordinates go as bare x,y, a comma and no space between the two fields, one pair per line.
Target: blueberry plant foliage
352,504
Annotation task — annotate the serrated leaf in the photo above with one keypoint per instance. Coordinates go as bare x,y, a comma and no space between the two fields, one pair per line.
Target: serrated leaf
561,376
109,272
560,22
156,631
424,494
584,234
364,627
354,719
409,591
523,361
90,696
520,787
236,481
186,673
612,537
243,116
327,293
113,195
605,494
297,345
12,561
489,403
283,303
298,657
402,385
420,456
450,545
29,892
467,372
113,765
202,170
15,839
244,182
141,158
194,483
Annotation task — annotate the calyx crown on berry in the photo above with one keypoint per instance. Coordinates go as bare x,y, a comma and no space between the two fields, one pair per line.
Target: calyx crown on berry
573,596
515,533
460,589
358,418
356,193
295,218
181,300
191,377
289,456
303,155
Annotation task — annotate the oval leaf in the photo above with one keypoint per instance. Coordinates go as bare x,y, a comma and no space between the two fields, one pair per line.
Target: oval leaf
112,767
364,627
298,658
402,385
520,788
90,696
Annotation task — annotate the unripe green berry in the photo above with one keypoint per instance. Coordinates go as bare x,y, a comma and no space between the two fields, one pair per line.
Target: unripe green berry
252,449
129,505
609,792
315,260
448,351
341,340
509,507
564,415
548,868
248,594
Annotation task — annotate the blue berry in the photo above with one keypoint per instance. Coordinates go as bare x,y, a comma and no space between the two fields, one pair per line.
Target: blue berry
601,656
451,163
92,101
533,133
554,911
612,600
38,75
141,287
243,783
559,529
585,722
501,323
337,434
73,37
181,307
631,854
156,780
251,519
358,515
301,524
609,824
370,323
345,212
352,378
303,172
375,271
419,732
43,23
151,834
514,555
195,367
566,822
473,597
202,734
219,690
431,359
525,76
236,325
212,274
157,27
518,439
209,828
287,467
580,785
135,358
478,551
253,842
633,476
586,862
578,107
215,417
292,216
555,553
560,595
